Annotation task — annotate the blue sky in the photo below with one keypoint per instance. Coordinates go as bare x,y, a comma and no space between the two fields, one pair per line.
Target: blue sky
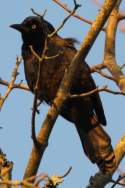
64,148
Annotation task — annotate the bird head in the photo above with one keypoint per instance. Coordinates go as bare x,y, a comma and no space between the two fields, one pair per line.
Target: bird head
33,29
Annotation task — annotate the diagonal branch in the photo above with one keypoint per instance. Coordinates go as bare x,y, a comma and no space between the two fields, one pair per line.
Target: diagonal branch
65,7
69,11
76,6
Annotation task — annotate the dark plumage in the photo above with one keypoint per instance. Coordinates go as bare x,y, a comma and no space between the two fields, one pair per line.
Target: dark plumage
86,113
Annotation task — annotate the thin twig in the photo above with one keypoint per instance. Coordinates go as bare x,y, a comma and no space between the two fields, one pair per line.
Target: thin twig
66,174
35,54
117,182
122,66
55,180
69,11
121,174
36,89
33,120
15,86
41,60
34,178
53,57
76,6
11,84
97,67
105,75
121,15
65,7
42,177
102,89
38,14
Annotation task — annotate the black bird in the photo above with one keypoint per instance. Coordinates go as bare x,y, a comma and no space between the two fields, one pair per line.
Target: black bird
86,113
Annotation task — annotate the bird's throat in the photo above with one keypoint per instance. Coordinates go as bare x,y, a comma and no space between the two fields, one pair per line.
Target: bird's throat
37,44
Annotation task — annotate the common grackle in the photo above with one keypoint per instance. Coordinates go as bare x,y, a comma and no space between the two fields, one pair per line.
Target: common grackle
86,113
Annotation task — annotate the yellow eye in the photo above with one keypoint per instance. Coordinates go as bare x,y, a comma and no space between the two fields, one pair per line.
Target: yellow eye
33,26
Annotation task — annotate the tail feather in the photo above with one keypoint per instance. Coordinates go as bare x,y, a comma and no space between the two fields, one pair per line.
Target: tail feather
97,146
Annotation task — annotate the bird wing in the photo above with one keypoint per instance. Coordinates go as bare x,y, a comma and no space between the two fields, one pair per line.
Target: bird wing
83,81
97,104
89,85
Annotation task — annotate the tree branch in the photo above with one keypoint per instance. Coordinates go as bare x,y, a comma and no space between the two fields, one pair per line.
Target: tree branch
101,89
15,86
109,54
121,16
97,67
11,84
69,11
36,89
76,6
105,75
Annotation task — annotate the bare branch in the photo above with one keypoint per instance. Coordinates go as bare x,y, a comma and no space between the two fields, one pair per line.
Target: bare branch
35,54
117,182
76,6
53,57
34,109
11,84
68,10
109,54
63,176
36,89
15,86
97,67
102,73
65,7
122,66
33,136
121,15
38,14
113,92
101,89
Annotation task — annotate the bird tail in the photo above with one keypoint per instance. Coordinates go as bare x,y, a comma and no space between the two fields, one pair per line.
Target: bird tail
97,146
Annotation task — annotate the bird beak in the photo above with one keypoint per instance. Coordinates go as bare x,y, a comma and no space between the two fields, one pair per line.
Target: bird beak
19,27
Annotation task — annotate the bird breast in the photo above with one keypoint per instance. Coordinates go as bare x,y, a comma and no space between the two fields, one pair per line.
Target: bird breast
51,74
